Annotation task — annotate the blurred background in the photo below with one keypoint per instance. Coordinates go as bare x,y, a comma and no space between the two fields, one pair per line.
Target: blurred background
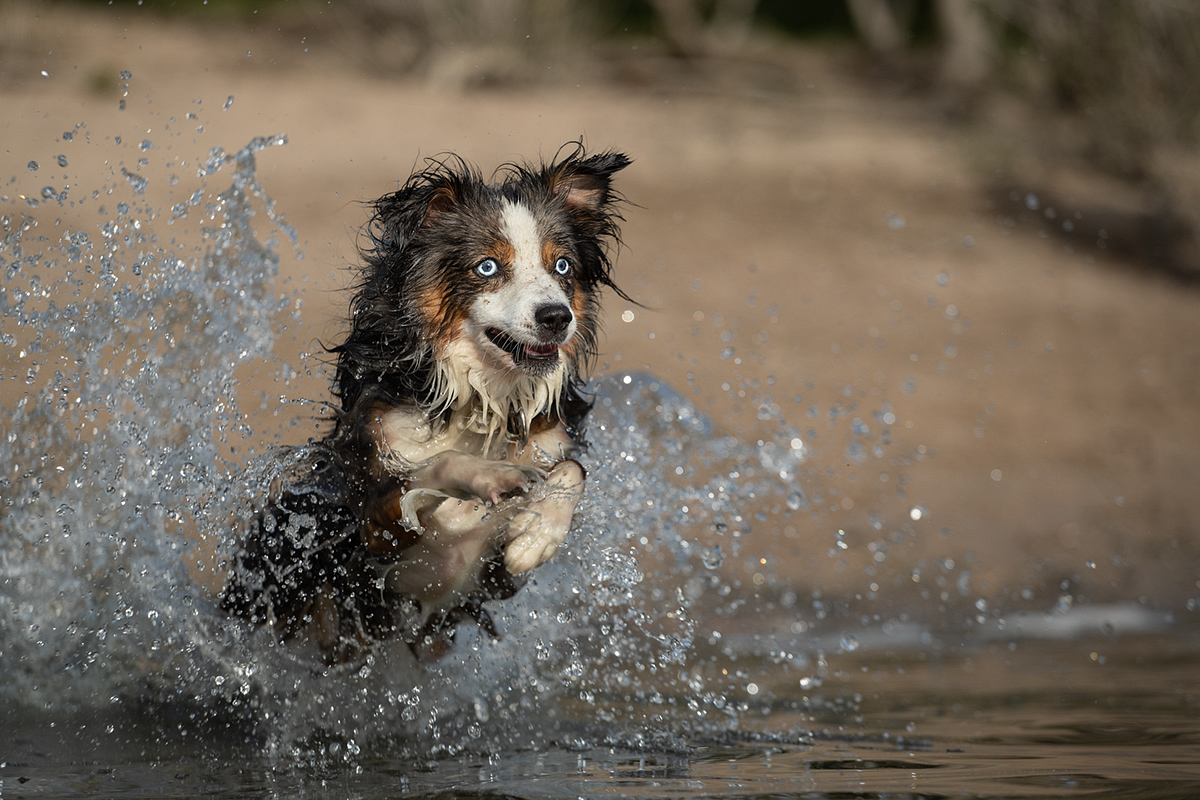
952,243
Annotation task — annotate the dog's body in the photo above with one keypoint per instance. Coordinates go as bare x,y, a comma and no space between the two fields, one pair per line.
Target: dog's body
450,472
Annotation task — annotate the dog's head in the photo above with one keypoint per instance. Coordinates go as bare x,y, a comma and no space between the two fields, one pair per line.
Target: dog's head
495,284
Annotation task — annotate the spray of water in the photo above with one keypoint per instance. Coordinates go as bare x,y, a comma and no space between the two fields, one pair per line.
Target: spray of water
128,347
116,461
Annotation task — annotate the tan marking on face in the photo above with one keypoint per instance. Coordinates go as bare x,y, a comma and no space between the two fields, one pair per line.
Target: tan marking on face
444,320
502,251
551,252
580,308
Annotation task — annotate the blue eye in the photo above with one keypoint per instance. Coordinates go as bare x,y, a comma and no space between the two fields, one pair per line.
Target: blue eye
487,268
562,266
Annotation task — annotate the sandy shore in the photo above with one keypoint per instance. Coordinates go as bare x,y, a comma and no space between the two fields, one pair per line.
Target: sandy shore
814,248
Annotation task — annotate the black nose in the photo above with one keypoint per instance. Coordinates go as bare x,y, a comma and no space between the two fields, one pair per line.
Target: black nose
553,319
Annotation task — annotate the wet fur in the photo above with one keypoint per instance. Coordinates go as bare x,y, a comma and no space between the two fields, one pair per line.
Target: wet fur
449,472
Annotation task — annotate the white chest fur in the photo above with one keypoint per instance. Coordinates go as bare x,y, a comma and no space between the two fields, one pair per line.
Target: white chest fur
405,438
459,526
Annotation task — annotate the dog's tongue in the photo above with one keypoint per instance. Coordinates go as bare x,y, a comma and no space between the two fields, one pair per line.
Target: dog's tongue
541,350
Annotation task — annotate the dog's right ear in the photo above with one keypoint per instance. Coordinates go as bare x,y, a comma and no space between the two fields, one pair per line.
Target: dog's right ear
424,201
442,201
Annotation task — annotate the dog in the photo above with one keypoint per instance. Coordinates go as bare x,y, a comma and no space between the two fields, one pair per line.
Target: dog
451,470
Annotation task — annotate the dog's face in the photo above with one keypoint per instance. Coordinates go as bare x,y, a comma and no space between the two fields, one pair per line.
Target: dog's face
521,305
501,279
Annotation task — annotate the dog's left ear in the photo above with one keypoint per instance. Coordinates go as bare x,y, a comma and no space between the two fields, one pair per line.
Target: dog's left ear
583,183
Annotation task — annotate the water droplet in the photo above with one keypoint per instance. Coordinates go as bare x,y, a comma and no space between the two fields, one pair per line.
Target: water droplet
229,100
712,558
62,160
33,166
849,643
796,500
138,183
627,315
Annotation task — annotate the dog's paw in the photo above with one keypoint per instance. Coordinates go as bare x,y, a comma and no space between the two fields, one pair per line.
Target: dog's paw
494,481
539,528
469,477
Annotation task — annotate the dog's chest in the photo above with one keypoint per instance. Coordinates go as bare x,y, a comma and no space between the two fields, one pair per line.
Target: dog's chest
405,436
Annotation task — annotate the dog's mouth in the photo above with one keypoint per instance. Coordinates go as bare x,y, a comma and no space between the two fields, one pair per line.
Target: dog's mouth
528,355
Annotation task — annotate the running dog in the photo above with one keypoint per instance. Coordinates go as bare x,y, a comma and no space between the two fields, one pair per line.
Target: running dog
451,470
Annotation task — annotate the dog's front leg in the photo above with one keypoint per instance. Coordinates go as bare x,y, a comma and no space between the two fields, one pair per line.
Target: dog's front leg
540,527
395,507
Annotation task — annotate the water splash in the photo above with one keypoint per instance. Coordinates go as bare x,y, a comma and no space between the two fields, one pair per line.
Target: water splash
118,466
128,347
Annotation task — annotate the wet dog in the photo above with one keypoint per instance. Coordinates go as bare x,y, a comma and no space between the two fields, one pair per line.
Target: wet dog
451,470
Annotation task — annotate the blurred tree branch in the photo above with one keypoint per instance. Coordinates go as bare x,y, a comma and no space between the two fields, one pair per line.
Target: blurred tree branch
882,24
691,36
969,45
